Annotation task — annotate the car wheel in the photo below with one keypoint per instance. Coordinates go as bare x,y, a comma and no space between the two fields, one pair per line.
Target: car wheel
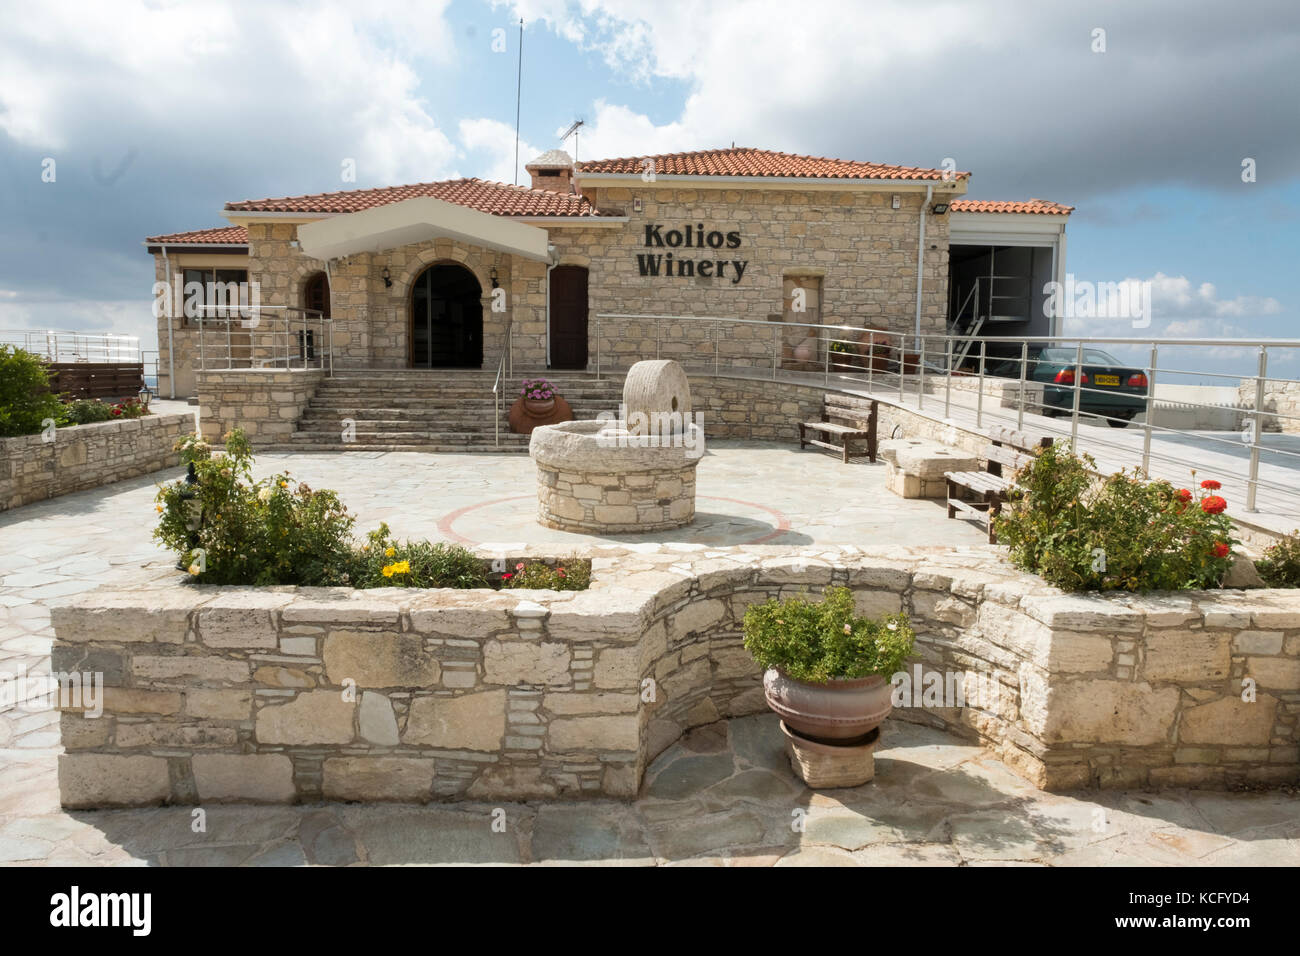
1118,423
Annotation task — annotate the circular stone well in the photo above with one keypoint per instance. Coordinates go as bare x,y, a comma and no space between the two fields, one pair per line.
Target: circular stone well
616,477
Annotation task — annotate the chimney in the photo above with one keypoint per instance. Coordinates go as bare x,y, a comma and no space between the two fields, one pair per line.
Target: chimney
553,170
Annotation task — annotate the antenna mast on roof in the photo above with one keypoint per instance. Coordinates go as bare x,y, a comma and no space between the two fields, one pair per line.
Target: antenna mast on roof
519,85
573,131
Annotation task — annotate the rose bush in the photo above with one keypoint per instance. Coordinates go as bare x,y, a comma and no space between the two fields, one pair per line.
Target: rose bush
1120,533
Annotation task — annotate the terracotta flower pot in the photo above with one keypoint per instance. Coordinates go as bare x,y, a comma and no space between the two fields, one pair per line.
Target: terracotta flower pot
840,709
539,407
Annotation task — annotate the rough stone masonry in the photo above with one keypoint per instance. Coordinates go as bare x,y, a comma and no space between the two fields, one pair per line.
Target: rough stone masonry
297,694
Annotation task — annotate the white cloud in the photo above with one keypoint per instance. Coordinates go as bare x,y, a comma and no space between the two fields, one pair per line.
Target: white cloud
492,144
318,81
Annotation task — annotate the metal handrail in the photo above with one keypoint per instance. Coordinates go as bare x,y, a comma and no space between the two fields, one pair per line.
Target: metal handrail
287,337
507,354
926,362
55,345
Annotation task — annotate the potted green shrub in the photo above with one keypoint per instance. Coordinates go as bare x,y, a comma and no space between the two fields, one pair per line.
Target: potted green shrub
827,669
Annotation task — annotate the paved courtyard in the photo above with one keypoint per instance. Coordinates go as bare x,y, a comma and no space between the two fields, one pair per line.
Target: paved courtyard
723,795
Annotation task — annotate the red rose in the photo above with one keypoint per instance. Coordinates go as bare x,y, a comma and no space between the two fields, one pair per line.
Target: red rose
506,577
1184,494
1209,484
1213,505
1220,549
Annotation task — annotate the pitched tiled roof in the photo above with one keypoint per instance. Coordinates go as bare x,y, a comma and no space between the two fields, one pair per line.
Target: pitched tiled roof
741,161
498,199
221,235
1042,206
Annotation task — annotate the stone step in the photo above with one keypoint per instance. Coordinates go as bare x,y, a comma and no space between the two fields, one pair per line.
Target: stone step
383,447
384,432
455,410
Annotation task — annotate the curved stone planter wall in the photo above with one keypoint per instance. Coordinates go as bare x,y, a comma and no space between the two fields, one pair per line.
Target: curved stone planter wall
87,456
291,694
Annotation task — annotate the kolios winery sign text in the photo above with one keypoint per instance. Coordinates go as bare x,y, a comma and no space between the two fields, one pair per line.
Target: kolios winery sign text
676,265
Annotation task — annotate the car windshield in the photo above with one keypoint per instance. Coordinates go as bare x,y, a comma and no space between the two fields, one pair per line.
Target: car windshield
1067,357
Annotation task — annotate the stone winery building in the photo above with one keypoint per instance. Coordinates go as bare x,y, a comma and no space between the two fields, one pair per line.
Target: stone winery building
562,272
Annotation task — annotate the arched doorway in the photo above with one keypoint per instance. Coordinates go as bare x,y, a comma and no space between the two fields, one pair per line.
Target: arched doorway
316,294
446,319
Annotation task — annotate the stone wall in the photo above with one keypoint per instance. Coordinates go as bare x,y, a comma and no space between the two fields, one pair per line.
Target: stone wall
1282,399
850,246
86,456
300,694
265,403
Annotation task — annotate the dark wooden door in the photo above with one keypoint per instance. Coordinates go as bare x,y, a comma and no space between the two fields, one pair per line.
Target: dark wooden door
446,319
569,317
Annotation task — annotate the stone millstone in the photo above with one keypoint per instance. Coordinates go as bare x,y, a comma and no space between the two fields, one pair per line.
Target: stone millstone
827,766
656,387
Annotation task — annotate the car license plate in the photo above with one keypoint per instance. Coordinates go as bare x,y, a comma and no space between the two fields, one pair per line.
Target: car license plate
1107,379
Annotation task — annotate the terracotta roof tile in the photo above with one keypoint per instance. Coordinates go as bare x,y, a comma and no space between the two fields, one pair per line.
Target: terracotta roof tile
498,199
221,235
741,161
1041,206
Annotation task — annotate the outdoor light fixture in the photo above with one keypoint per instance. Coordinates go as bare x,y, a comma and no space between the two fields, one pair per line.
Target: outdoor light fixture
387,277
939,208
897,201
493,276
144,395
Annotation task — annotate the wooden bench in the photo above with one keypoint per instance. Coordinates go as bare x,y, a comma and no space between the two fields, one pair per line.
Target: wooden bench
1008,449
844,417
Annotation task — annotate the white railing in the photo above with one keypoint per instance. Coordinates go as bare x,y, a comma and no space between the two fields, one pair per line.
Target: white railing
67,346
952,377
263,337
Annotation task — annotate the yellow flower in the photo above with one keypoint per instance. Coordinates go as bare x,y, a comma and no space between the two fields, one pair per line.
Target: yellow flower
401,567
389,552
284,484
194,569
160,509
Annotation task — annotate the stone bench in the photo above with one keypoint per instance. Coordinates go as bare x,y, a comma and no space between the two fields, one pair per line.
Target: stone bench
915,467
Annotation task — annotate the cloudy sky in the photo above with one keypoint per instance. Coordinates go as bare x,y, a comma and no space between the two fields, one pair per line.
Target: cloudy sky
156,113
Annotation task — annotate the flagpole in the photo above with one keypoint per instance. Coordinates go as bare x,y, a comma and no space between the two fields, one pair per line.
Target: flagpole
519,85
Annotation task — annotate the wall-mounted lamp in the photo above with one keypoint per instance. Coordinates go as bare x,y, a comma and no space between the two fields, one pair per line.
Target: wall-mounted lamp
896,202
387,277
493,276
939,208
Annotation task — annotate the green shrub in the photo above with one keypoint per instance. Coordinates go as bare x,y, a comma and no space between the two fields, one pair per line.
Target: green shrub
25,398
192,448
571,575
382,562
266,532
1280,566
278,531
1120,533
817,642
86,411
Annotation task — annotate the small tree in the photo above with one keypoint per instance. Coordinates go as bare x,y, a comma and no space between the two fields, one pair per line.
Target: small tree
25,397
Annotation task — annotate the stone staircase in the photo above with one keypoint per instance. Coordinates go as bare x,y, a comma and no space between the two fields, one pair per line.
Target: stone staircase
433,410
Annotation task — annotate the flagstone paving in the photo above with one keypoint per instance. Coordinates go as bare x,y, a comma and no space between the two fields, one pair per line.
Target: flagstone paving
723,795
